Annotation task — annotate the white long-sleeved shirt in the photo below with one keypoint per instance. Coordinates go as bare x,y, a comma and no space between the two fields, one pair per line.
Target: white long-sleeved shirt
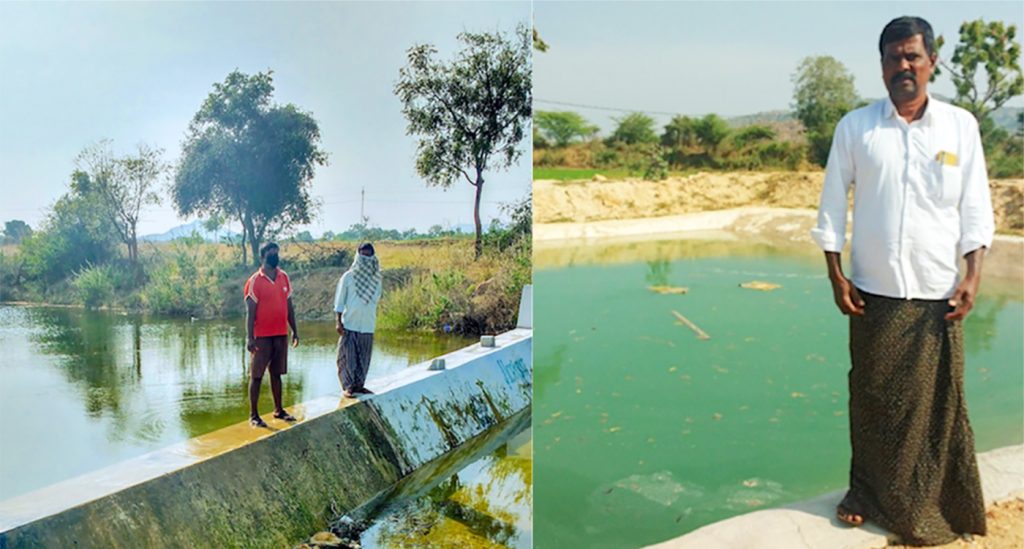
356,314
920,198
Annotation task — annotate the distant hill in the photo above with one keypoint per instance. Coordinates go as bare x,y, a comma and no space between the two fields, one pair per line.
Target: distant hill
1006,117
187,230
785,122
761,118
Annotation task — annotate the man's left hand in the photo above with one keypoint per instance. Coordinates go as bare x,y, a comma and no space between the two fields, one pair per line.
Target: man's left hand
295,340
963,298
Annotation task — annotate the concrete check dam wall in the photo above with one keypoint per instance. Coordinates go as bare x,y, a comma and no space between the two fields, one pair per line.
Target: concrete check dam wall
241,486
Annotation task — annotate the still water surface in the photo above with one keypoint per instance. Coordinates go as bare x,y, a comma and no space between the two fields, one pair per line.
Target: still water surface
83,390
644,432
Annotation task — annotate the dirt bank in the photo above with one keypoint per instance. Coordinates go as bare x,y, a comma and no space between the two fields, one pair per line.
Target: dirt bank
587,201
1005,529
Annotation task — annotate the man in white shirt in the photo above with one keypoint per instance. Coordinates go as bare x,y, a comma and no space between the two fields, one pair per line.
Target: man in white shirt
921,202
355,307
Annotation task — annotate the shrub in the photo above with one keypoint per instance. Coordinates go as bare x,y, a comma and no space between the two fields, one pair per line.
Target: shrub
95,285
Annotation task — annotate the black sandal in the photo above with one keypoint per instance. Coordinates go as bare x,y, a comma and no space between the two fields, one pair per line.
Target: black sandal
257,422
284,415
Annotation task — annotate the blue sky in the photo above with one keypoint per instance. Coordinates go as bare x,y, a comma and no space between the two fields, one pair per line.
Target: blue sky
74,73
730,58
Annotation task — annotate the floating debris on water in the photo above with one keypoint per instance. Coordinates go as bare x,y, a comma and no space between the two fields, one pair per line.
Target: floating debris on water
668,290
760,285
701,334
797,394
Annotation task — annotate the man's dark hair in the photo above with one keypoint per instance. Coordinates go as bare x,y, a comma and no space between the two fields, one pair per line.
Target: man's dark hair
905,27
266,249
367,246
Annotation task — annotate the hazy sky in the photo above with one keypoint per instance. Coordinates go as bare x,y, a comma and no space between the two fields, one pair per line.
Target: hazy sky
73,73
730,58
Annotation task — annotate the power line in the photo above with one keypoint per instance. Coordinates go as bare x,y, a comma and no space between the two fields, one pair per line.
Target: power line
600,108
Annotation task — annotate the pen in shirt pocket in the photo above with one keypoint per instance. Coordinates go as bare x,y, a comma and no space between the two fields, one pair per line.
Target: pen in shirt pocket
947,158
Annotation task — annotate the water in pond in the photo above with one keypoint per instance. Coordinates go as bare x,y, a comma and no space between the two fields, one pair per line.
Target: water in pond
644,432
477,497
82,390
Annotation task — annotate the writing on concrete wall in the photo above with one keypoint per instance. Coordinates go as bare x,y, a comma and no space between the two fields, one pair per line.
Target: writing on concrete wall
514,370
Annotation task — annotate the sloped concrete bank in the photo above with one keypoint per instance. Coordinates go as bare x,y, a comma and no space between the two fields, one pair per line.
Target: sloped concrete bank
812,524
248,487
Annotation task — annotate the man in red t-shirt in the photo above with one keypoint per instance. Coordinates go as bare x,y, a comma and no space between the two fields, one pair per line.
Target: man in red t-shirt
268,299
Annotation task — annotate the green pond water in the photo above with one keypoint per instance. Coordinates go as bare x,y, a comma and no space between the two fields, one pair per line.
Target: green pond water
644,432
82,390
477,497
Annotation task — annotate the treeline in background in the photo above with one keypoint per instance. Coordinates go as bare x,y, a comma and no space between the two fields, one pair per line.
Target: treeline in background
984,69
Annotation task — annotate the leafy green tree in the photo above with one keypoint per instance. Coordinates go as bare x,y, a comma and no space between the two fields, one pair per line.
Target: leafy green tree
470,114
823,92
634,128
991,47
680,134
75,233
15,231
710,131
538,43
250,160
303,236
751,135
124,185
563,127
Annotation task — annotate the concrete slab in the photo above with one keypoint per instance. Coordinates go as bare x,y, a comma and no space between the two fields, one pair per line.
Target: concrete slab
812,524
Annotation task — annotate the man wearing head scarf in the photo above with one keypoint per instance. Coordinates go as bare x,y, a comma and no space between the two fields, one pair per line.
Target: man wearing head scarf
921,204
355,306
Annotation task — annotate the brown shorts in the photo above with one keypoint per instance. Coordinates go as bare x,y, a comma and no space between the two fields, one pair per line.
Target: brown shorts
270,351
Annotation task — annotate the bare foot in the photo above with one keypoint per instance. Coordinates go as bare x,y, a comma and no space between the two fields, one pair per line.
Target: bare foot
847,517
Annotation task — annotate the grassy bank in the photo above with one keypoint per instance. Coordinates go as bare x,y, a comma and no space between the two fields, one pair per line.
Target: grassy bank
429,285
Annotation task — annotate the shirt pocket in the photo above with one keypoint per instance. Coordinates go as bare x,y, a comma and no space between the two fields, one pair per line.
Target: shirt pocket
945,184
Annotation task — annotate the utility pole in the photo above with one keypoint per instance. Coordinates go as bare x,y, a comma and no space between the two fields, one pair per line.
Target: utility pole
362,206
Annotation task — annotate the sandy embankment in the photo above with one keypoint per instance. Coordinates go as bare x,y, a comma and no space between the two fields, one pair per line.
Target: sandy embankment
778,206
586,202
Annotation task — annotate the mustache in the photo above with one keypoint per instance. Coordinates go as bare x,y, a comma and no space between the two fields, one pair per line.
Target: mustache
904,75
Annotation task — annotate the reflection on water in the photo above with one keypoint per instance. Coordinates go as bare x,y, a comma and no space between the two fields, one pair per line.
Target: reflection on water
644,432
478,497
103,387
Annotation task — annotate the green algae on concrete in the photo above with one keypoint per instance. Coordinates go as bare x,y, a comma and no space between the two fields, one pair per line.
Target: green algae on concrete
476,496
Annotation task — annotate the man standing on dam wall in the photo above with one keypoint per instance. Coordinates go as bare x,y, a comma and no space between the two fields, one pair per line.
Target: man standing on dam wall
921,202
355,309
268,301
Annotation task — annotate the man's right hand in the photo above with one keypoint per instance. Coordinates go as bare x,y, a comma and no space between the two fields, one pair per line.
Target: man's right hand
251,345
340,329
846,296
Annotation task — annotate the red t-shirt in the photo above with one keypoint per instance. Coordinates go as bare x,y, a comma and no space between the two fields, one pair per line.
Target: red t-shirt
271,297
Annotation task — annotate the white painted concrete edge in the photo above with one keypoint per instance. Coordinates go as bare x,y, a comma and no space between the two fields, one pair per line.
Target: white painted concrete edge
665,225
812,523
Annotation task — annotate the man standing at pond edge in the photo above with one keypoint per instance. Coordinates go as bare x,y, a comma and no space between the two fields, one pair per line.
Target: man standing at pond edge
355,308
268,301
921,201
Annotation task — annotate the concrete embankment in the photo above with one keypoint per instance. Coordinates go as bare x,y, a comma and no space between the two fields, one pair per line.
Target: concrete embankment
248,487
812,524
